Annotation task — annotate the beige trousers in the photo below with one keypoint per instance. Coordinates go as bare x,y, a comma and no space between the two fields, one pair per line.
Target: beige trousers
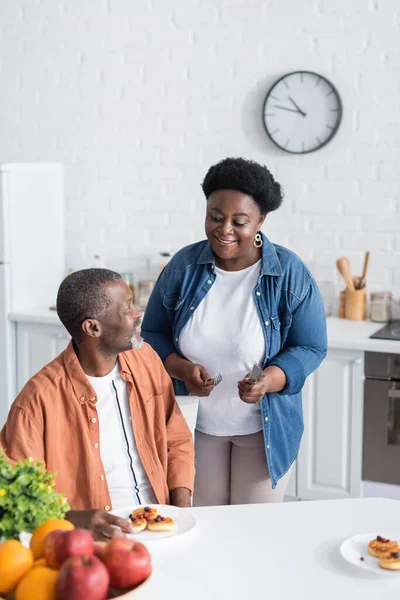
234,470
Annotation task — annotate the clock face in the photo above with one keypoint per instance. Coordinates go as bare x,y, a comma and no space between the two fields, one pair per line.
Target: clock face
302,112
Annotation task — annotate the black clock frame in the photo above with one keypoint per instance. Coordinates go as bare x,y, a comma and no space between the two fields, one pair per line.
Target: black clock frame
338,121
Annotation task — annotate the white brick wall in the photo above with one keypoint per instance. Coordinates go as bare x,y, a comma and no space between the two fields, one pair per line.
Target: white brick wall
138,99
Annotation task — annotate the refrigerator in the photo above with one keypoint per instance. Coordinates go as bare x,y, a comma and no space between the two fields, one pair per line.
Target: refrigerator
32,255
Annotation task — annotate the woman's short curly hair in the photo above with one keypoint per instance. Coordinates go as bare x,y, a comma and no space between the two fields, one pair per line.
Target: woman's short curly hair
245,176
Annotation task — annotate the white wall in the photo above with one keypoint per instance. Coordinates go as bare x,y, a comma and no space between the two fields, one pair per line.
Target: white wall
138,99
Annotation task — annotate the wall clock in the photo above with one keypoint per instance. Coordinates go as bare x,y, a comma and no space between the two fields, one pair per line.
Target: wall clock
302,112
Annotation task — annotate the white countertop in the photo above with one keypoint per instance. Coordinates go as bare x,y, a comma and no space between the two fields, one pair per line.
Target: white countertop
278,551
36,315
354,335
342,333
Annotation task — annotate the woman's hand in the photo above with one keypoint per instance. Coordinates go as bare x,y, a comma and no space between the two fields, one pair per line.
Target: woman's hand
252,393
273,380
197,380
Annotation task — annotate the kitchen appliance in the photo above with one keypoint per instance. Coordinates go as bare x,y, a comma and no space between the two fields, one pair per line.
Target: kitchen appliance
391,331
31,253
381,431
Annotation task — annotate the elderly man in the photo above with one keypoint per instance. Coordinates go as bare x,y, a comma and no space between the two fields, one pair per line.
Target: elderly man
103,414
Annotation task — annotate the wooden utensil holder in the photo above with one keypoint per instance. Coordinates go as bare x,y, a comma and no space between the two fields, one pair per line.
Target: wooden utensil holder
355,304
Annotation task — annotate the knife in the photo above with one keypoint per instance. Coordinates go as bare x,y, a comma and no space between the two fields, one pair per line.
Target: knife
255,374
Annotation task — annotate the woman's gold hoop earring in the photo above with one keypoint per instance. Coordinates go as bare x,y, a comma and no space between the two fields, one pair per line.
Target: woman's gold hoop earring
258,240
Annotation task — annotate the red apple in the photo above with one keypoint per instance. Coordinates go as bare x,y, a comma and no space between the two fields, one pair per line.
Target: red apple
82,577
128,562
60,545
99,549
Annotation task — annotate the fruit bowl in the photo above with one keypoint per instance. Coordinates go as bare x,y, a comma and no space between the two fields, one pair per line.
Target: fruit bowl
113,593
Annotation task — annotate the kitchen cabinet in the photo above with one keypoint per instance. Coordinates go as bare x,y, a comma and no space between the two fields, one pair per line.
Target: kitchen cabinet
330,458
37,344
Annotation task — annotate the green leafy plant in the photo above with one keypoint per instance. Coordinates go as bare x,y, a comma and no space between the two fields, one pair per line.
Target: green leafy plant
27,497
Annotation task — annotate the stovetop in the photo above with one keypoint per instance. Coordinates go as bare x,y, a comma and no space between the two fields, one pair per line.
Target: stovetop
391,331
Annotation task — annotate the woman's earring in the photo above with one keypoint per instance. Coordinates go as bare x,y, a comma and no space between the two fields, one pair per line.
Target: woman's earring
258,240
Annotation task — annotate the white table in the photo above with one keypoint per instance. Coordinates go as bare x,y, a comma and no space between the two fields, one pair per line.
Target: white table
271,552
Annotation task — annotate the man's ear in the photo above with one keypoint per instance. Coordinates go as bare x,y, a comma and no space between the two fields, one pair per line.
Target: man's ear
92,328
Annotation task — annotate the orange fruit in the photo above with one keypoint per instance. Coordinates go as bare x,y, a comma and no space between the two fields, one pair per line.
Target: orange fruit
15,562
43,530
40,562
38,584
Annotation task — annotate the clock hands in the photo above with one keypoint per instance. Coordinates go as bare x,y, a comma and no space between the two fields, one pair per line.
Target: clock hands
286,108
298,108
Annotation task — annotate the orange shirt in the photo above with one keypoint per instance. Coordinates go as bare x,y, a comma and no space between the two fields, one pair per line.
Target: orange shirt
54,419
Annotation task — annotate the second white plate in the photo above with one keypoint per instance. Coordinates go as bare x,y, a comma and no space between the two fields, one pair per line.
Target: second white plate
183,517
355,548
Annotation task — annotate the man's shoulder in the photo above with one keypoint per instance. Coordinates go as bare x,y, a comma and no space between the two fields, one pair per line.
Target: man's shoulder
145,355
48,379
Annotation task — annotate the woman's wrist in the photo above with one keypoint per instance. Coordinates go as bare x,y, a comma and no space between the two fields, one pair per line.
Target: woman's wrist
275,379
176,366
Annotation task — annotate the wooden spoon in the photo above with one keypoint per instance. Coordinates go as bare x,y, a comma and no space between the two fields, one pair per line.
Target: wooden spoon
343,266
365,269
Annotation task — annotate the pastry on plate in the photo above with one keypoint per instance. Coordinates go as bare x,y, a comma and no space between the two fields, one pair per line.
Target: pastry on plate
382,547
137,524
161,524
145,512
391,561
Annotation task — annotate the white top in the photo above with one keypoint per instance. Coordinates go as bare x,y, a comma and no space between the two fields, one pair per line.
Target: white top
225,336
283,551
127,481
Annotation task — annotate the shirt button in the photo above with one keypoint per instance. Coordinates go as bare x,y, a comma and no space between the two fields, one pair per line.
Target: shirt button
96,445
94,420
268,446
93,399
267,356
192,308
266,418
102,477
267,322
176,339
82,399
209,282
258,293
106,507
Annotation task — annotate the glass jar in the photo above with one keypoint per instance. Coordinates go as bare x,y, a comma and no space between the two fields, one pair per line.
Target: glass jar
381,307
144,292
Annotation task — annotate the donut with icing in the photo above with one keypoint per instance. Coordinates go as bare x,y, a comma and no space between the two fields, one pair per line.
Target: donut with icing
382,547
137,524
145,512
161,524
391,561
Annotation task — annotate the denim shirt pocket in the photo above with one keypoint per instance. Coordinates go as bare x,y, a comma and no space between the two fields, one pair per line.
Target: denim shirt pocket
172,302
280,331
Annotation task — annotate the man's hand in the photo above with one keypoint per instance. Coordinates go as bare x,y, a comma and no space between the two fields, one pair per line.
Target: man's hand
180,497
197,380
100,523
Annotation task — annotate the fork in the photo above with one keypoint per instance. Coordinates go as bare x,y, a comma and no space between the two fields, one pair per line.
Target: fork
217,379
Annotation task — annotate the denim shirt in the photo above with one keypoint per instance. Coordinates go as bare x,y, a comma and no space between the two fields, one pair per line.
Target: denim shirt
294,325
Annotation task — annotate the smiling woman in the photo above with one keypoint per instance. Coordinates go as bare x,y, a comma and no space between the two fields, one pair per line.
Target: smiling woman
219,307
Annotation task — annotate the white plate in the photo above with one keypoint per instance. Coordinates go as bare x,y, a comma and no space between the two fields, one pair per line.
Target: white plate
184,522
356,547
